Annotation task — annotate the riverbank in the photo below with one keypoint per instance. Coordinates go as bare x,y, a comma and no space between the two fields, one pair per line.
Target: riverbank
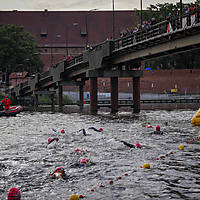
86,108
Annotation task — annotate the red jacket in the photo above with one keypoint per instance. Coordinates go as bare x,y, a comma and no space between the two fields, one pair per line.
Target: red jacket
7,103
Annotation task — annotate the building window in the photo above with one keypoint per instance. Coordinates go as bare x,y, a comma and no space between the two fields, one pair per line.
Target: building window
43,35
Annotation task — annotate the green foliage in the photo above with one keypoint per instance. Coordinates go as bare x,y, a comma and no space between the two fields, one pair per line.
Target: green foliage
2,96
18,50
188,60
161,11
45,99
67,100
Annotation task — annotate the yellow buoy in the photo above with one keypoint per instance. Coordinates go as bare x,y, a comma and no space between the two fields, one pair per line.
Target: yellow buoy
181,147
74,197
146,165
196,118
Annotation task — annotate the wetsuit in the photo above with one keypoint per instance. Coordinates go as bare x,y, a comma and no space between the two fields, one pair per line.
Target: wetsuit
158,132
94,129
128,144
84,132
52,139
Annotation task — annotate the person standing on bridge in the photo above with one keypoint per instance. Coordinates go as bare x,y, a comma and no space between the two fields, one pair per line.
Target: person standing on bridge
6,102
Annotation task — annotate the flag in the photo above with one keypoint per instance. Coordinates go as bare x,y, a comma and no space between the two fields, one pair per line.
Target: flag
169,28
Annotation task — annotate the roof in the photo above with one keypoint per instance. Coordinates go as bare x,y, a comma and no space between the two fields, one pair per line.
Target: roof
18,75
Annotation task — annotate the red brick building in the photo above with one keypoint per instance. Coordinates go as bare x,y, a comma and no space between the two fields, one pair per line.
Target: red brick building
18,77
63,33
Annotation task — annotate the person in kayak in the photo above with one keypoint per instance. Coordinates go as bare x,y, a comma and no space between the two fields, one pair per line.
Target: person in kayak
6,102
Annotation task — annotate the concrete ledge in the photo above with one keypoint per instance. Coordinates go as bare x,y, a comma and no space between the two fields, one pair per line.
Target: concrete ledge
113,73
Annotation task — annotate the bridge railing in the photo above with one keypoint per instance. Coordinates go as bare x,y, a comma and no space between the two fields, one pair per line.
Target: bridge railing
76,60
164,27
24,84
44,74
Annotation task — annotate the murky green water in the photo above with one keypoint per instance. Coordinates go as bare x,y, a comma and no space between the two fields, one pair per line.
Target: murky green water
26,160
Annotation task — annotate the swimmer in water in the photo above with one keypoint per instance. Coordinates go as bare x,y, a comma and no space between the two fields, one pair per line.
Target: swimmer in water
158,131
95,129
59,172
50,140
138,145
128,144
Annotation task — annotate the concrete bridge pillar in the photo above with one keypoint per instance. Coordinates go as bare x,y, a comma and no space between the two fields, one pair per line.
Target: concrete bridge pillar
93,95
114,95
81,96
136,94
52,102
60,97
36,102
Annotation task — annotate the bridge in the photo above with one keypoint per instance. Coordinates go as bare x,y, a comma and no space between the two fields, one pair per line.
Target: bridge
114,59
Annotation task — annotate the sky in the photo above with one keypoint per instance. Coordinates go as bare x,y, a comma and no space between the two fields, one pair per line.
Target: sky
62,5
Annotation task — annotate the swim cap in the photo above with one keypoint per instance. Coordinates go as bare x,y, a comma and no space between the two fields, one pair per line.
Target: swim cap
6,97
157,128
181,147
14,194
77,150
146,165
84,161
100,129
49,140
62,131
74,197
59,170
138,145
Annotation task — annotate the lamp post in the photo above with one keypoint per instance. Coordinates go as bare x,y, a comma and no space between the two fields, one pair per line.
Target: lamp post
67,33
141,12
181,12
113,19
86,23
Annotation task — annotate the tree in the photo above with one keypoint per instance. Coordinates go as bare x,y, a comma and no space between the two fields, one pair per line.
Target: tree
18,51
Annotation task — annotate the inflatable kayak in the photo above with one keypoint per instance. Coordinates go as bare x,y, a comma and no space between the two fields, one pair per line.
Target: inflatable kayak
12,111
196,118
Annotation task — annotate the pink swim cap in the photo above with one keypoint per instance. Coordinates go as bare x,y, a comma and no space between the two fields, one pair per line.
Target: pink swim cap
138,145
157,128
59,170
77,150
14,194
49,139
84,161
62,131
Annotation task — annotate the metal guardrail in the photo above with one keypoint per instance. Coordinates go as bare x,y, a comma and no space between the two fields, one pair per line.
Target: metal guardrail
74,61
44,74
129,102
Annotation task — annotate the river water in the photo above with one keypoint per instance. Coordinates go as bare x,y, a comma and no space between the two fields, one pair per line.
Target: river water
26,160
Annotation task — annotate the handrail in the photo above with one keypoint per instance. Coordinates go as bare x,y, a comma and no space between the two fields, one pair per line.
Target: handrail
44,74
76,60
158,29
